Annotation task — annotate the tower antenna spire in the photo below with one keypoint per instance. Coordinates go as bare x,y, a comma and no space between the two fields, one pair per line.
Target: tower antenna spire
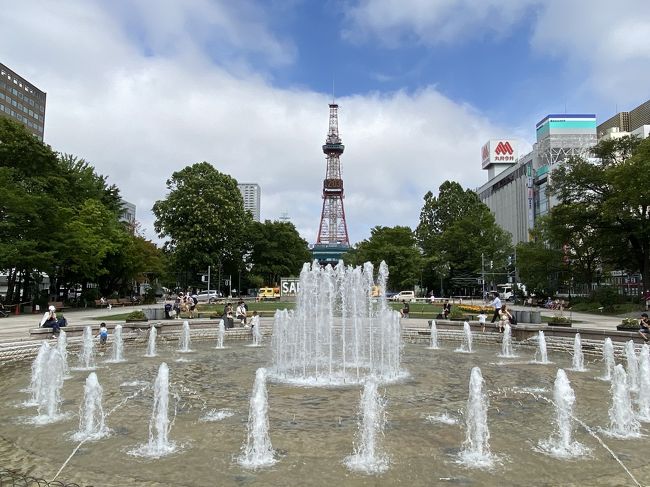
333,229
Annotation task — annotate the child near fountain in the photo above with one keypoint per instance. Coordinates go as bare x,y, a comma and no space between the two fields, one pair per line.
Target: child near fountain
481,317
103,334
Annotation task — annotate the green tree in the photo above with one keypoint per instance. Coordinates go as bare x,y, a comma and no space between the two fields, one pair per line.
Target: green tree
276,250
456,229
606,204
203,220
395,245
539,264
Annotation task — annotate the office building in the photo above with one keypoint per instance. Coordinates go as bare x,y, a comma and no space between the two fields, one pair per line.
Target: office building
128,214
626,123
251,193
516,191
20,100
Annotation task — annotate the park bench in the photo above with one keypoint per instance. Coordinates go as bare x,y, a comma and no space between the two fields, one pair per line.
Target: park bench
58,305
114,302
99,304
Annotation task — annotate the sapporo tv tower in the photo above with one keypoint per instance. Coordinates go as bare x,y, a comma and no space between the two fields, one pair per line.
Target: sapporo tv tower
332,241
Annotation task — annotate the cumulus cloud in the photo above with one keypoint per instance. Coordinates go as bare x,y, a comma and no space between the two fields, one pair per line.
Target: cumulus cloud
603,44
139,111
432,21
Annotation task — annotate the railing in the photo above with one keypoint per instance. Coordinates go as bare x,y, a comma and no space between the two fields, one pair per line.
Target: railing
16,479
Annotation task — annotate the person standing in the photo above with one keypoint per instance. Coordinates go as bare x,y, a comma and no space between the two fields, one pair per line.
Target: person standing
496,302
644,327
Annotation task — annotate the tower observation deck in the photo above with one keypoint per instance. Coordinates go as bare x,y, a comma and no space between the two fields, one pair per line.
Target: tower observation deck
332,239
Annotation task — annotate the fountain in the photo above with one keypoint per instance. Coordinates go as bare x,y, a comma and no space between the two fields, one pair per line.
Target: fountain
433,343
608,357
622,421
561,444
91,414
258,451
643,399
257,331
578,364
506,343
466,346
368,457
476,448
159,425
151,344
87,353
541,349
185,340
62,347
339,333
221,333
38,373
118,346
632,366
49,397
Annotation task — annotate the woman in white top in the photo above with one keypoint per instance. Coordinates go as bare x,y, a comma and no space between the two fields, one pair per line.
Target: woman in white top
504,317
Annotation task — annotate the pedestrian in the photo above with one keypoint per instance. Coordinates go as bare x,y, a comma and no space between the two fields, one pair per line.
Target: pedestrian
504,318
241,313
404,312
644,327
496,302
446,309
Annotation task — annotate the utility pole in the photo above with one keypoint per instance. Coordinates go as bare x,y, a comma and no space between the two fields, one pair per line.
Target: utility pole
208,284
483,274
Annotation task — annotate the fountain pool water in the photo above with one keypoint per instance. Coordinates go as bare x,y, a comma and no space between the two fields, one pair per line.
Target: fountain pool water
542,354
578,364
506,343
339,333
643,399
466,345
221,334
87,353
561,444
151,343
49,396
476,448
632,366
608,358
62,347
433,339
368,456
622,420
117,355
312,429
159,444
258,451
91,413
185,341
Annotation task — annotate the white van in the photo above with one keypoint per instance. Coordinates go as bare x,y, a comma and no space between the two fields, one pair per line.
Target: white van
403,296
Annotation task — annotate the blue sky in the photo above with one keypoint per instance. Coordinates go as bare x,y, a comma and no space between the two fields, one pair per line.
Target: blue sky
141,89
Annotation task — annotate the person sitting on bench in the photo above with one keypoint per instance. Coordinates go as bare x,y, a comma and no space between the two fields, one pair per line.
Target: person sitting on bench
404,312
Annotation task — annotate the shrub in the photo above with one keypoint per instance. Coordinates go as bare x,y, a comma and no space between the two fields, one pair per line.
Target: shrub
136,315
560,319
629,323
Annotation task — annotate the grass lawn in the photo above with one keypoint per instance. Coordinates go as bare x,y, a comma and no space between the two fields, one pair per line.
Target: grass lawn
619,309
115,317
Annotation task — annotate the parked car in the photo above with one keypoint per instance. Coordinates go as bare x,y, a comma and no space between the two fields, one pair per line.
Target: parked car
403,296
207,296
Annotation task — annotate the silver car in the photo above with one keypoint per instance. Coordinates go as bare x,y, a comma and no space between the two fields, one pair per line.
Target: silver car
207,296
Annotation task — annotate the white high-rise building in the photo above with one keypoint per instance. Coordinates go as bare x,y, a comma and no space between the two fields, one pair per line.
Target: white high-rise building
252,195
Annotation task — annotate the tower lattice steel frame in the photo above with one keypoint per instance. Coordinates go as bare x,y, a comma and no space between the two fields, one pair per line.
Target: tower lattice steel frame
333,228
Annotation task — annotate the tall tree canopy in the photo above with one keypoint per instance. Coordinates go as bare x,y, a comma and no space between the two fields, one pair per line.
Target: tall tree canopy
276,250
604,212
203,220
455,230
57,215
395,245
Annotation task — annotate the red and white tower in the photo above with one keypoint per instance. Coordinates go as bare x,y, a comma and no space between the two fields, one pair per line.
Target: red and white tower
333,230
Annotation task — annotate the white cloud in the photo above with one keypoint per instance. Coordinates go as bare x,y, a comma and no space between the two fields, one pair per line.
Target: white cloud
433,21
603,45
139,117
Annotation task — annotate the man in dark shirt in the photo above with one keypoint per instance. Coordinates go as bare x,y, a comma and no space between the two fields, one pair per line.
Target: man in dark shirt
644,327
